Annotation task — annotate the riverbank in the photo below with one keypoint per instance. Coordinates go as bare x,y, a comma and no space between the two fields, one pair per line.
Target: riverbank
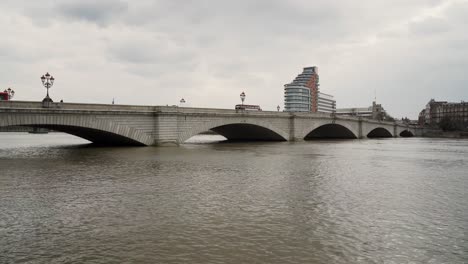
444,134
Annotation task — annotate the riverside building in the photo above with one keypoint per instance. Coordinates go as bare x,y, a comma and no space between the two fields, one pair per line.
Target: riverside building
435,111
376,112
303,94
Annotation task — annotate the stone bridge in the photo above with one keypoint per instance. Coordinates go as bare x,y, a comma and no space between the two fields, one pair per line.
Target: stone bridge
160,125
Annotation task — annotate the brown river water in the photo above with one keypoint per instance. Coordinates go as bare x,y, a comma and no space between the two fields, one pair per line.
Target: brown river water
401,200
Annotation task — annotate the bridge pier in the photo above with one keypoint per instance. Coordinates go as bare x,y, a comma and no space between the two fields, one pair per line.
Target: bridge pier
166,127
360,135
292,130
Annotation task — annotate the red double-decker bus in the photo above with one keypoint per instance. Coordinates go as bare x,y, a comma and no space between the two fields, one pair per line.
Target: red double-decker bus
248,107
4,96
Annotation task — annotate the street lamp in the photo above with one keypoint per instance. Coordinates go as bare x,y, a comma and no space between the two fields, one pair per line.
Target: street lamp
242,97
10,93
278,108
182,101
47,81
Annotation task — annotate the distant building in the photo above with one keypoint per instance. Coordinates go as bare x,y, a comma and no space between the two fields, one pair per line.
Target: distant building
303,94
326,103
376,112
435,111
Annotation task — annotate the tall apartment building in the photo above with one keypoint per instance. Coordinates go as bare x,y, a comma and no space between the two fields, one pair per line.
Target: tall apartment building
297,98
303,94
435,111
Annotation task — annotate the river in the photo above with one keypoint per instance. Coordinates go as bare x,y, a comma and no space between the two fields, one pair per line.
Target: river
402,200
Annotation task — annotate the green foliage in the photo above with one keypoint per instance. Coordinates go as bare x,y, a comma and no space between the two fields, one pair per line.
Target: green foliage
447,124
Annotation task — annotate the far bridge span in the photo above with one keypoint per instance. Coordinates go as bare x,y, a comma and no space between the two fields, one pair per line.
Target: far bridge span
161,125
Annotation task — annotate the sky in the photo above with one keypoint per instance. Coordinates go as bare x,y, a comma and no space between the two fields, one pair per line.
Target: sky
155,52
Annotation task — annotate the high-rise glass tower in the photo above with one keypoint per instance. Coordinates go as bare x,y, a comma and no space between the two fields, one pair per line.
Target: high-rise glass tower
302,94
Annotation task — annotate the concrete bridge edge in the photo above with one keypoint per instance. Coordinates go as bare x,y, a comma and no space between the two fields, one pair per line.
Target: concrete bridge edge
90,122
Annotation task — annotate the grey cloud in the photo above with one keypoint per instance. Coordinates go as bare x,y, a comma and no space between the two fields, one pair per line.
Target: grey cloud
222,47
12,52
150,55
225,18
429,26
99,12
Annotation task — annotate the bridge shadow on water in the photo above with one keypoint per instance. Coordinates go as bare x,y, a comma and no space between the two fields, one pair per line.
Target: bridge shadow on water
92,145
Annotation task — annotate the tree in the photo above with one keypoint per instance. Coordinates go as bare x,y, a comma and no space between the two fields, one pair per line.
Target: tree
447,124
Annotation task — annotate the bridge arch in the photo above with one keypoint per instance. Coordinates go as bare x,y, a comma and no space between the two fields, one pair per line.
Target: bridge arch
406,133
100,131
237,130
379,132
331,131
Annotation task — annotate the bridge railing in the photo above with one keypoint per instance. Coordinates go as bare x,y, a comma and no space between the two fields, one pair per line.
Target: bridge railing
74,106
220,111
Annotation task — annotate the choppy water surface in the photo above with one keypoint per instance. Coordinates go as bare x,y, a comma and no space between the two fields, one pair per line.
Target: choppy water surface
353,201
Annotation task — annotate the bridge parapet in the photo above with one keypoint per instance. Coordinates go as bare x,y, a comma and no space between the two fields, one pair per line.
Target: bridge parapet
75,106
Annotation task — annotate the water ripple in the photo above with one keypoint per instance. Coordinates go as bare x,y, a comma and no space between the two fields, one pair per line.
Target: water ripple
370,201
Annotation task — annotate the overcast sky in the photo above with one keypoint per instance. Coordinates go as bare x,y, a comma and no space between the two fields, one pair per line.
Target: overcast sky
207,52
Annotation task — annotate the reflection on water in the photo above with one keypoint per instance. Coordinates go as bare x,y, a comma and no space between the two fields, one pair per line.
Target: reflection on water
63,200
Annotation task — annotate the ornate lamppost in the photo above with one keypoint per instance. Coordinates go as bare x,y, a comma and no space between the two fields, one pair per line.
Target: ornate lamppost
242,97
10,93
182,101
278,108
47,81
